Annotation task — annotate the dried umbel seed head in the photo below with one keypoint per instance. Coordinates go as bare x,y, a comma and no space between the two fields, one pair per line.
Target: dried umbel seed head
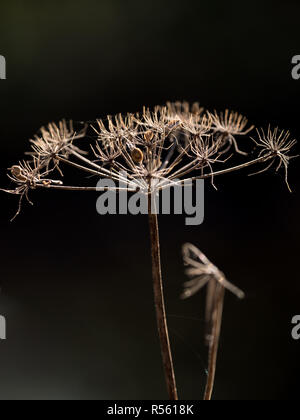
277,144
167,144
137,156
230,122
148,136
18,173
203,272
183,109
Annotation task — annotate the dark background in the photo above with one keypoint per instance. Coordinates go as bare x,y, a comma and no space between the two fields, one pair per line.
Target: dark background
76,287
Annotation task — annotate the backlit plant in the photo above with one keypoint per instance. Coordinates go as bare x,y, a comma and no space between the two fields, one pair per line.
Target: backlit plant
155,148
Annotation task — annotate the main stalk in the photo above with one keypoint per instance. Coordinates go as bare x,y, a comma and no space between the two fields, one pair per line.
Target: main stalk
160,304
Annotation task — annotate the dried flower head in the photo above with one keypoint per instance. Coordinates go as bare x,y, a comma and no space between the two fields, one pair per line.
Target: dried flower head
205,153
115,129
54,140
107,152
28,176
202,272
227,125
155,148
155,122
63,131
277,144
183,110
199,126
231,123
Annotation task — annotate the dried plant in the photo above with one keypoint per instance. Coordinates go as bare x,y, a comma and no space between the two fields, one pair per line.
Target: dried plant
227,126
55,140
28,176
204,273
155,148
278,143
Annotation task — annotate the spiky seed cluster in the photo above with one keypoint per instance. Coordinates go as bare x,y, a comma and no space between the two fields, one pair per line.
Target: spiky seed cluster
28,176
206,153
181,111
115,129
63,131
155,143
277,144
203,273
230,122
154,148
56,140
150,145
226,126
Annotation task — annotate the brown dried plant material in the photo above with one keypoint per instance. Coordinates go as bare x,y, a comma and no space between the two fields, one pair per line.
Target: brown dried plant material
155,148
28,176
168,144
227,125
203,272
278,143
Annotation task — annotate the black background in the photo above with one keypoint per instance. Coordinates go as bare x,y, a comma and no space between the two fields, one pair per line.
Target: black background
76,287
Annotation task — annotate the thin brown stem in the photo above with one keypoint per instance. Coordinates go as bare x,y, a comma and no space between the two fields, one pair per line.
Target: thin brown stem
210,175
90,189
214,343
100,172
84,159
113,174
160,304
237,168
261,159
